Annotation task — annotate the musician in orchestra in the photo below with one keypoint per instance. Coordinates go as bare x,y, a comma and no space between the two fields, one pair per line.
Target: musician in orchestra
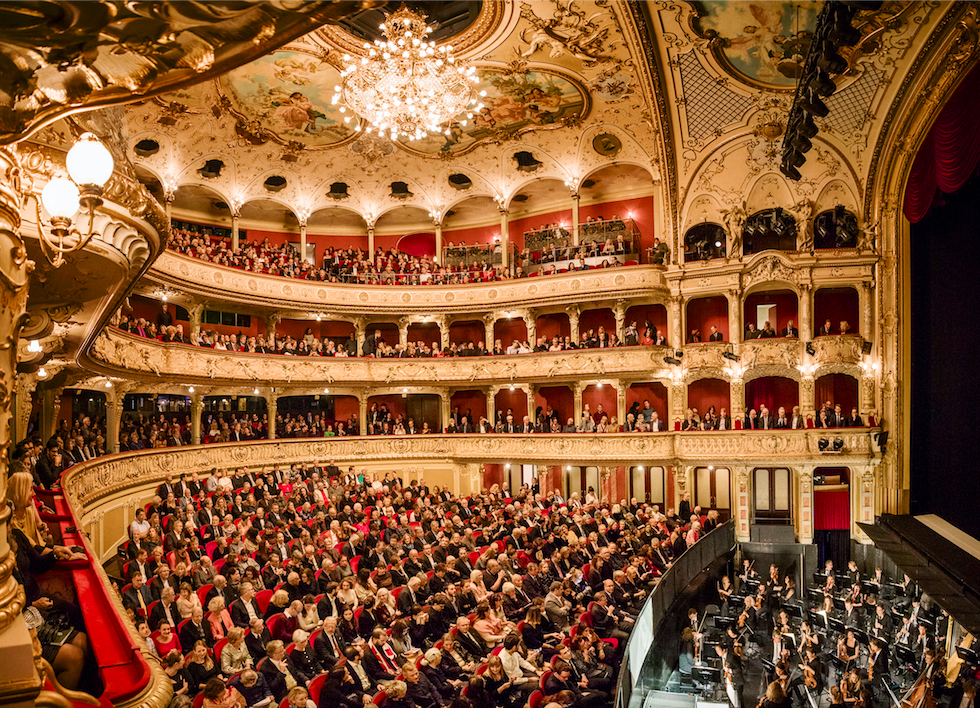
780,649
850,686
775,697
808,638
924,642
883,623
812,670
725,590
686,652
734,675
850,647
965,695
877,662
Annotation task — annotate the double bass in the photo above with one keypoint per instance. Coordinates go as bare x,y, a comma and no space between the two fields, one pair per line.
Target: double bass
920,695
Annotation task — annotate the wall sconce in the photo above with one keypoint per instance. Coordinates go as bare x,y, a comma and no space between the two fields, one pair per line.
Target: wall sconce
90,166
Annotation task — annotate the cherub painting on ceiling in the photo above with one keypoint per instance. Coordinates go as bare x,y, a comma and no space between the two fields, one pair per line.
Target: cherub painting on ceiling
763,41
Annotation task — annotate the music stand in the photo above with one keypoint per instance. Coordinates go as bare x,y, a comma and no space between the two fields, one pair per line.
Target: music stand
794,610
906,656
839,604
860,635
814,617
870,587
968,655
835,624
721,622
769,666
706,674
819,579
751,585
815,595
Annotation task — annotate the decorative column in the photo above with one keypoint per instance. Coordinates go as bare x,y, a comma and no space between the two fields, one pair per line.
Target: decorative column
443,323
573,314
271,322
21,405
576,198
866,491
445,397
678,399
531,324
20,683
359,334
529,391
236,213
488,322
806,300
804,521
492,404
169,194
197,408
50,400
866,304
807,404
194,313
362,402
737,396
742,503
437,221
113,420
303,217
577,390
504,238
272,407
734,315
403,332
621,387
674,322
370,232
619,311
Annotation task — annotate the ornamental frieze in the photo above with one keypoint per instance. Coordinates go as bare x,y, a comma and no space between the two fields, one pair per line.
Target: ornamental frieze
88,482
196,277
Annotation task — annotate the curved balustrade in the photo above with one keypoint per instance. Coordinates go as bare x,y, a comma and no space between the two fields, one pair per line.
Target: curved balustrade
638,672
196,277
132,356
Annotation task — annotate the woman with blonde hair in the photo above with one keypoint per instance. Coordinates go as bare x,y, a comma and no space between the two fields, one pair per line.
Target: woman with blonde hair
235,656
218,617
27,520
201,667
277,603
187,600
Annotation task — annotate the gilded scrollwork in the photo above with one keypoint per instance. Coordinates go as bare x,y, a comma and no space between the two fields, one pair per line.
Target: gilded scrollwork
839,349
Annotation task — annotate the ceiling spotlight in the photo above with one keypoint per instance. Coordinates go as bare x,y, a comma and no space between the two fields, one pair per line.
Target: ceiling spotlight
507,466
165,296
599,385
512,387
823,444
568,468
640,468
711,468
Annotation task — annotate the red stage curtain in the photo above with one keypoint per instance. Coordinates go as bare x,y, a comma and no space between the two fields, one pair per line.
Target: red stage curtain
837,388
950,153
832,510
772,392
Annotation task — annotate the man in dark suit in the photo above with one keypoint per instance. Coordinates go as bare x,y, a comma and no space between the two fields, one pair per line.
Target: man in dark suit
138,596
715,335
877,662
409,597
196,630
732,669
469,639
257,638
329,644
782,421
49,465
790,331
684,508
826,330
246,607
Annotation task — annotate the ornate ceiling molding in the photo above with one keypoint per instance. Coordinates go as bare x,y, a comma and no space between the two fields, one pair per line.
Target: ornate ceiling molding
219,283
112,52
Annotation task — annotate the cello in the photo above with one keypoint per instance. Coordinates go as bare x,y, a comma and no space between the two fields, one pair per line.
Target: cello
920,694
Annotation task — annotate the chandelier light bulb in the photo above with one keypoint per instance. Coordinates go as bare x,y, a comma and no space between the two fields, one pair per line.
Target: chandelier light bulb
60,198
89,161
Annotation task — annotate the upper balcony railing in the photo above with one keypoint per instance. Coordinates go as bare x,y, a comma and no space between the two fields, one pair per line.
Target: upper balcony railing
129,355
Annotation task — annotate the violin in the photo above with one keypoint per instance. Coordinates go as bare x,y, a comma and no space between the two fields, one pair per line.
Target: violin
811,676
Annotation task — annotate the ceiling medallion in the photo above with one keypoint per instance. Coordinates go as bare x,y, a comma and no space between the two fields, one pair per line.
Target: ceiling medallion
407,86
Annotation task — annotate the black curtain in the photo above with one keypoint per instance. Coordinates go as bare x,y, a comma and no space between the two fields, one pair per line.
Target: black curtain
834,545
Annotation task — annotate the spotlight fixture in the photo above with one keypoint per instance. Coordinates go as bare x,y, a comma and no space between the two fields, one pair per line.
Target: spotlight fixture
672,361
838,444
35,347
881,439
731,356
42,373
810,349
823,444
678,354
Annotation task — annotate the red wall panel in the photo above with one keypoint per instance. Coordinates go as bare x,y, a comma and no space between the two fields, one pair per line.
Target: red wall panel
472,235
465,332
837,388
475,401
593,395
787,308
654,392
560,398
704,393
493,474
552,325
641,209
389,331
346,406
706,311
427,332
394,401
594,319
773,392
509,330
836,304
418,244
516,399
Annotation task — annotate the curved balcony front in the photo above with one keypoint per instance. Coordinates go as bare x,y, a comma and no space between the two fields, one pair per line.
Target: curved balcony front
120,353
196,277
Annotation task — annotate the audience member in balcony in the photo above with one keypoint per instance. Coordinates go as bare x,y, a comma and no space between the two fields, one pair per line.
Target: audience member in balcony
253,688
782,422
217,695
201,668
826,330
751,420
694,336
751,332
197,629
767,331
855,421
173,667
790,331
715,335
188,601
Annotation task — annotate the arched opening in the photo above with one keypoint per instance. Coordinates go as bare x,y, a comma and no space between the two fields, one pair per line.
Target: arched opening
833,390
228,418
832,515
705,313
304,416
648,317
704,242
420,245
769,394
383,332
647,402
393,411
600,400
201,216
540,215
469,231
426,334
778,308
510,402
336,228
552,325
509,330
631,218
471,404
392,226
466,332
346,413
594,323
554,403
769,229
832,307
835,228
712,490
705,393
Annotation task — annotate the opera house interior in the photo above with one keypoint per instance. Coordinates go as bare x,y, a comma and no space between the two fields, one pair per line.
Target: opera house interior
652,327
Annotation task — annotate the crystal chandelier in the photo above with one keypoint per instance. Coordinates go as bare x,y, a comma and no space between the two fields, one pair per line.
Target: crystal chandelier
407,86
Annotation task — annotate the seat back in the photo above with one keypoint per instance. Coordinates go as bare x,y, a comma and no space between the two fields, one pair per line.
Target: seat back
202,593
316,685
535,699
263,597
544,677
